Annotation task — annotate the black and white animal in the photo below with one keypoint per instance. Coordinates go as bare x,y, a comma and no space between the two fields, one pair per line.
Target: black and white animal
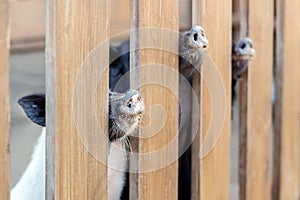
125,113
242,53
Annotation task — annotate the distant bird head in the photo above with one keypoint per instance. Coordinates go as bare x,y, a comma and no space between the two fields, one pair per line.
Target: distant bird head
193,44
242,53
243,49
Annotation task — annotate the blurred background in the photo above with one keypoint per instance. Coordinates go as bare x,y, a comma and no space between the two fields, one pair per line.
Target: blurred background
27,76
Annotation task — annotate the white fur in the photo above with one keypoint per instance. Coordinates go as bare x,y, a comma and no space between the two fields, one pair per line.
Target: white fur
117,164
32,184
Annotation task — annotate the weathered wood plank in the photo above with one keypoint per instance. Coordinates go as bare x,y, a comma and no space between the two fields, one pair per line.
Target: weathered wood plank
50,100
195,160
134,83
77,94
290,128
259,111
215,167
242,8
4,101
156,182
277,107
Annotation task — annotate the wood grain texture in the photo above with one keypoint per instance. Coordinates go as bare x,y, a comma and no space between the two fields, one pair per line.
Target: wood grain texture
215,167
158,183
290,130
4,101
74,29
242,8
50,100
134,83
195,160
259,112
277,107
243,121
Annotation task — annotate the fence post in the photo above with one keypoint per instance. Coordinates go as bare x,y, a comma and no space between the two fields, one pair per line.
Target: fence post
77,98
215,167
259,111
255,116
286,181
134,83
197,82
242,8
4,101
157,183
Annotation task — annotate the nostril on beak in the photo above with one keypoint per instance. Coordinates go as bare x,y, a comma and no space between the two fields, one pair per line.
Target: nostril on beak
243,46
195,37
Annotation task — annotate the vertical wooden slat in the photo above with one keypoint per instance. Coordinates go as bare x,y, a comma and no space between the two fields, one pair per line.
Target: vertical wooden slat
243,31
255,114
4,101
195,161
215,167
277,107
154,183
50,99
134,83
259,112
243,119
290,128
74,29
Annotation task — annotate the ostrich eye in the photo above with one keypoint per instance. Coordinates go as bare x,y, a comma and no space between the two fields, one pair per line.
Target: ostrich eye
129,103
243,46
195,36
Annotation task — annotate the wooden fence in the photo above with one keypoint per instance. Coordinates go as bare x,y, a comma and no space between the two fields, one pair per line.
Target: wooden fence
268,136
4,100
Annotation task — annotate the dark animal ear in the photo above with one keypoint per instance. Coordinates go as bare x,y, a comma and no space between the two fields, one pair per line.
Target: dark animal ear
34,108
